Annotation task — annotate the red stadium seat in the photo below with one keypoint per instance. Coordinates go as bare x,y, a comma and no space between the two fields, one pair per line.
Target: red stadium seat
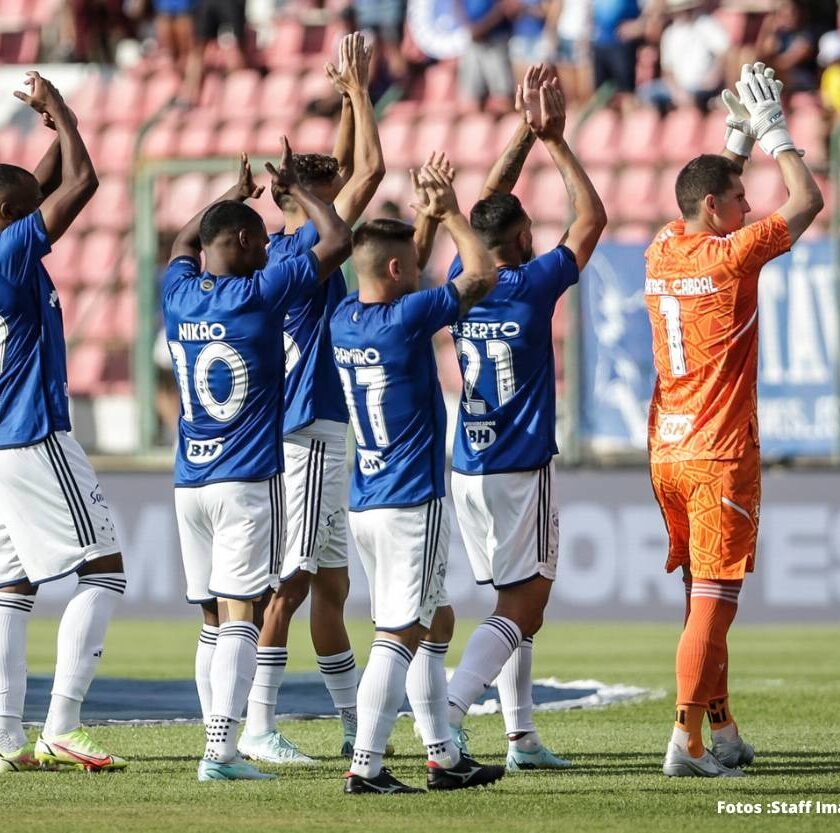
198,136
20,47
286,44
161,89
547,236
315,86
764,189
162,140
314,135
111,206
279,94
682,133
11,146
440,86
36,144
668,208
433,132
235,137
636,196
596,141
267,137
603,178
548,202
396,135
124,100
468,185
212,87
182,199
101,251
88,100
443,254
240,96
63,263
505,128
86,366
125,316
809,132
95,315
473,142
639,140
115,154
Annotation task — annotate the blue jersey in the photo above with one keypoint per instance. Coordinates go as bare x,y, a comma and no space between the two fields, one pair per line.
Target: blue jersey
33,361
507,414
313,389
227,354
387,366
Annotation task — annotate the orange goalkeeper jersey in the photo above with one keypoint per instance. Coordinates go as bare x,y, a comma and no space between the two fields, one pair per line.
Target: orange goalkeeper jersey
702,299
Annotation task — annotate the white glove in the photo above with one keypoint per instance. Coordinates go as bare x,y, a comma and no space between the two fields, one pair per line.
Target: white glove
740,136
760,96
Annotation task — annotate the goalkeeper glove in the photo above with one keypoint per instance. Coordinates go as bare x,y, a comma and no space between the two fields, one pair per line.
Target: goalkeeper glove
761,97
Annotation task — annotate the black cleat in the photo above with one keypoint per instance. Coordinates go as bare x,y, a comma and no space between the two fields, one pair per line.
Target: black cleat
382,783
466,773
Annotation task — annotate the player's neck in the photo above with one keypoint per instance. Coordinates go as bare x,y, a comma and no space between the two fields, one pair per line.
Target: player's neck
293,219
377,292
701,225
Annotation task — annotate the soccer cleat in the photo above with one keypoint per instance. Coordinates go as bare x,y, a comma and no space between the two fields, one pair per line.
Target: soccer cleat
678,763
542,758
460,737
77,749
733,753
273,748
382,784
236,770
466,773
20,760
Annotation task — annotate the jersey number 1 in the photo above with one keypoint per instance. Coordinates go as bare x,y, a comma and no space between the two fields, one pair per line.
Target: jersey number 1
669,306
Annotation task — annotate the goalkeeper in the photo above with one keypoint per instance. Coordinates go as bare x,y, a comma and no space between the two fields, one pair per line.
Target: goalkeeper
701,291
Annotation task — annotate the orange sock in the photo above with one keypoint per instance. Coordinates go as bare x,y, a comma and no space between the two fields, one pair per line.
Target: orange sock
702,654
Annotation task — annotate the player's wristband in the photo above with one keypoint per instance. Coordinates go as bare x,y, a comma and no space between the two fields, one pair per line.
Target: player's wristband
739,143
775,140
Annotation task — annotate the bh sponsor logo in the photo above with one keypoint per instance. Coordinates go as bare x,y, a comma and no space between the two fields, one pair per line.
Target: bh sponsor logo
201,452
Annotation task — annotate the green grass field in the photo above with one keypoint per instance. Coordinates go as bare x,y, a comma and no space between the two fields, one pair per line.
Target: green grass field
786,693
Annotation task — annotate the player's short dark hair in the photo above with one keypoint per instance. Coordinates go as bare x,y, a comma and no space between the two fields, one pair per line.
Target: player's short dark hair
12,176
706,174
384,230
315,168
228,215
494,219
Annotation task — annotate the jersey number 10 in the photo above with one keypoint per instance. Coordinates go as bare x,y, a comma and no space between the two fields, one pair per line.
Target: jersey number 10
669,306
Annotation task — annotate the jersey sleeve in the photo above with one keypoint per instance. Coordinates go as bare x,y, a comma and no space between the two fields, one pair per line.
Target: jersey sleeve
554,272
283,282
22,245
424,313
758,243
179,268
455,269
283,246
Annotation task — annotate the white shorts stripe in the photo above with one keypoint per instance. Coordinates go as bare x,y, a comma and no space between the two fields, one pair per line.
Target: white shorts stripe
71,496
312,500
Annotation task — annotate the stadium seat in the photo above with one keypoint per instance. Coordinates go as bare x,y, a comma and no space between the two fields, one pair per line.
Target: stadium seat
162,140
473,140
88,100
62,263
505,129
161,89
198,136
396,186
682,132
547,198
128,269
212,87
636,195
235,136
111,207
86,366
95,315
468,185
101,251
603,178
440,86
115,151
764,189
68,310
433,132
712,135
314,135
668,208
547,236
11,145
286,45
267,137
36,144
639,136
125,316
182,198
240,95
315,85
396,134
279,94
809,132
271,214
596,141
124,100
20,47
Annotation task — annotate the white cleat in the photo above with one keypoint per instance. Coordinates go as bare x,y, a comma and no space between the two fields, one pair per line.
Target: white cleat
678,763
273,748
733,753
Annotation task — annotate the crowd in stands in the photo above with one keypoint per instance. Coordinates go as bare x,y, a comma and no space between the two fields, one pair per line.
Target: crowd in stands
219,76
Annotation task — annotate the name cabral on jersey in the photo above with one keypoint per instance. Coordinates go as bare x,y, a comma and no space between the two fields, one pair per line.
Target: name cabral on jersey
680,286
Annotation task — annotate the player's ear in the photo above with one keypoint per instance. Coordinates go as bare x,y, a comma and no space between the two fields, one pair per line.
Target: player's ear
243,238
710,203
7,213
394,270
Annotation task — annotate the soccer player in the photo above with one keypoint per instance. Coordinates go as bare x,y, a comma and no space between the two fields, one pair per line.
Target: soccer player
701,289
503,479
315,431
223,325
54,520
382,344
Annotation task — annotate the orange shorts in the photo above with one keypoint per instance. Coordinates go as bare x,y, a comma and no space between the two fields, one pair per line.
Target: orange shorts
710,509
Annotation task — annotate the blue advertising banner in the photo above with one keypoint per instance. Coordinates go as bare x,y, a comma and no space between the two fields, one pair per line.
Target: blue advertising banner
799,407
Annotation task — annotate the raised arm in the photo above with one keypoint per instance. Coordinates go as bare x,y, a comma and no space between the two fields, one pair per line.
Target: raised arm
761,95
344,139
333,246
187,243
368,163
479,275
590,217
78,181
505,172
426,224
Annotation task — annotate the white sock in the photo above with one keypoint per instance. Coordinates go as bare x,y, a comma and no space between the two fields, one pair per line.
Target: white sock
489,648
524,741
338,672
231,674
381,693
727,733
425,685
262,701
81,635
14,617
515,690
203,658
679,737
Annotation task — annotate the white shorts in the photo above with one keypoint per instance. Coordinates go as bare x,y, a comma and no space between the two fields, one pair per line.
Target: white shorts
53,517
509,523
404,552
232,537
316,494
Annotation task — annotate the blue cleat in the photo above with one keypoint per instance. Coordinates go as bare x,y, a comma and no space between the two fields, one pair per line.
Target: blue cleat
230,771
460,737
542,758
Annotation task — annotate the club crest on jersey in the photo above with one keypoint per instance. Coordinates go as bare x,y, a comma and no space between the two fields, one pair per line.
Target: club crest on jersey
370,462
480,435
675,427
204,451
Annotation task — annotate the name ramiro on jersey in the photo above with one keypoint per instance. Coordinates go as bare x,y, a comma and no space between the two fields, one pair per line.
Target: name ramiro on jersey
681,286
357,355
201,331
485,329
